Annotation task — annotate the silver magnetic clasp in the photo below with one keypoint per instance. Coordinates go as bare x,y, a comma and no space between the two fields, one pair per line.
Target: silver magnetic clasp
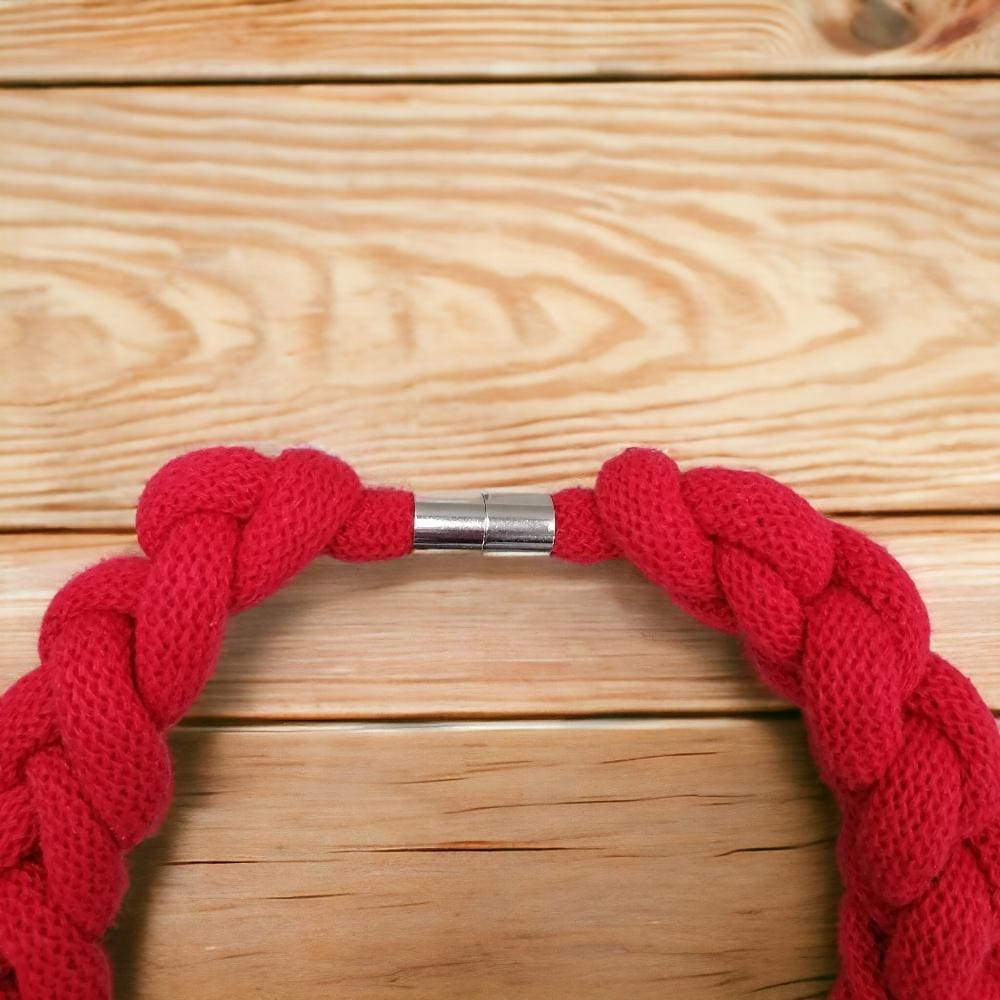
512,523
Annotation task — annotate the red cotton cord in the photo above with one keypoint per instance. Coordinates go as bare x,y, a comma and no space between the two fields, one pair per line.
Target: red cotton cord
829,619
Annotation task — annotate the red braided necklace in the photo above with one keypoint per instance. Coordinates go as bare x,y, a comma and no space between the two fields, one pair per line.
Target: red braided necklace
830,621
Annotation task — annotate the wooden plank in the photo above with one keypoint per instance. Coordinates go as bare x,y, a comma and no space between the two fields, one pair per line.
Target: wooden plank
59,40
456,636
688,858
490,286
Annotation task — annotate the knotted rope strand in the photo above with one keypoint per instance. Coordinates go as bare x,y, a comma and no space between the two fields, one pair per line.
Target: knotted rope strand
829,620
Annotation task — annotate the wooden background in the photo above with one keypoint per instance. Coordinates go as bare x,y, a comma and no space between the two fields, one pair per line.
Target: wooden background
467,244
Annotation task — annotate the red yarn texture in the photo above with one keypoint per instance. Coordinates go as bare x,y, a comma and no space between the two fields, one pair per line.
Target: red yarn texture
829,620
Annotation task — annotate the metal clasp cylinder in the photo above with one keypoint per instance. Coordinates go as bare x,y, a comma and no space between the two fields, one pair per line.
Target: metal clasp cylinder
492,522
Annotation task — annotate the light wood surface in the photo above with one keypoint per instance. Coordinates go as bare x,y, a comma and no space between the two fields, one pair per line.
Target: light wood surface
490,286
69,40
462,636
621,859
446,778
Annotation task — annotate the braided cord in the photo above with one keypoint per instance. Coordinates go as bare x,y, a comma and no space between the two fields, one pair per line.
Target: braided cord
829,620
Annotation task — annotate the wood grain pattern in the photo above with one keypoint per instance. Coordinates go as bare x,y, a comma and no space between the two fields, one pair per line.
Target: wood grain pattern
500,285
357,39
687,858
458,636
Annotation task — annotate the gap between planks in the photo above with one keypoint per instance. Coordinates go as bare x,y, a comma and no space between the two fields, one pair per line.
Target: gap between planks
43,530
152,83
